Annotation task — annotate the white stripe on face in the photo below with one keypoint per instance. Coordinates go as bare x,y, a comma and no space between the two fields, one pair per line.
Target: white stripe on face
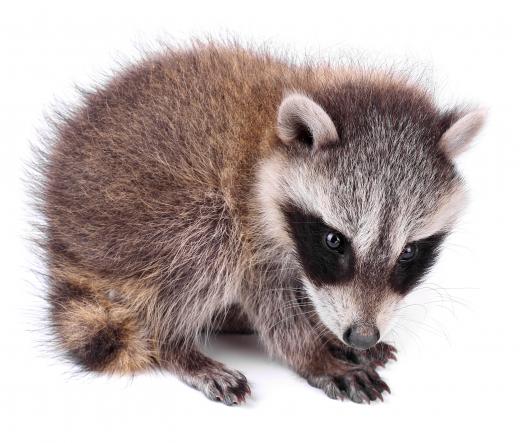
446,214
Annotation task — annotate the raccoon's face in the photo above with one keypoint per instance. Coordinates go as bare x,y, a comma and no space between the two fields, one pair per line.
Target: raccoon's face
363,206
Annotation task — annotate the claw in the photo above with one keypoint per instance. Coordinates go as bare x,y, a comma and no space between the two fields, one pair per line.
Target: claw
378,394
384,386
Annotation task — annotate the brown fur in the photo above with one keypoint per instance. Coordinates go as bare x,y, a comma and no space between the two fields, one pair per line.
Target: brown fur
150,234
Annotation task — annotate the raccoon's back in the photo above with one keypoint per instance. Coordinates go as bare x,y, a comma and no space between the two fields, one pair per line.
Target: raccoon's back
155,162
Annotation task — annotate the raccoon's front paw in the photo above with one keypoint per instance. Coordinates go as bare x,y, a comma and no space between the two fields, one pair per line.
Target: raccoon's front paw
360,384
380,354
376,356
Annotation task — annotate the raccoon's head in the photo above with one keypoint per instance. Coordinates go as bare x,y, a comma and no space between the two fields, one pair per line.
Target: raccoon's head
362,190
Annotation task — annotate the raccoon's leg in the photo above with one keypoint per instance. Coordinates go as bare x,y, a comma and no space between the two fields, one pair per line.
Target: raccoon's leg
101,334
289,334
98,332
212,378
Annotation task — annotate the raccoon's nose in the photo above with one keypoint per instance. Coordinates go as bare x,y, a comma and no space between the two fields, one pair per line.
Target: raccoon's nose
361,336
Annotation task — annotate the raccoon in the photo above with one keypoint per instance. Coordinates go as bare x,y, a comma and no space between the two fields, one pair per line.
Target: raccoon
214,187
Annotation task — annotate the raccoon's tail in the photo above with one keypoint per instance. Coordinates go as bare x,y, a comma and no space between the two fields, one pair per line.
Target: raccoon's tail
95,330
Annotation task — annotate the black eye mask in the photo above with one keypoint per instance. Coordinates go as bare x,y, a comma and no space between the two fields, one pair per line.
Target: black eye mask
325,254
407,273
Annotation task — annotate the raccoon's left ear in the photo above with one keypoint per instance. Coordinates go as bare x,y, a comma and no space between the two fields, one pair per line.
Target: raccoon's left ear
302,120
463,129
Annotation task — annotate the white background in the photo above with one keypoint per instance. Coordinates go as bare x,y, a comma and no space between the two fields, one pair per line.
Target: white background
457,375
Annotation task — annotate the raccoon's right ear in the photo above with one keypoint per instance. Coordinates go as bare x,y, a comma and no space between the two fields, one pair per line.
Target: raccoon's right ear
302,120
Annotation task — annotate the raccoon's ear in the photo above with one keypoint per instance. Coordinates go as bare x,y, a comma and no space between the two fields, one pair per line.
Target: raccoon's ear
463,129
302,120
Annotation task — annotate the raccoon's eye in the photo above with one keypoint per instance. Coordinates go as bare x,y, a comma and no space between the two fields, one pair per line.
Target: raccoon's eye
335,241
408,253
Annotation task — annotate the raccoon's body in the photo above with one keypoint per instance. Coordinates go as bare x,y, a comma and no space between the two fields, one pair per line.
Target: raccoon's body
213,186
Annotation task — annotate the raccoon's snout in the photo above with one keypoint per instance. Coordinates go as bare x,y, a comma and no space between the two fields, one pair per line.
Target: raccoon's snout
361,336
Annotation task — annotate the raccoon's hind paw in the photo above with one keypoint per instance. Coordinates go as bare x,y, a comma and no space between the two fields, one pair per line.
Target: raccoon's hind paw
358,384
221,384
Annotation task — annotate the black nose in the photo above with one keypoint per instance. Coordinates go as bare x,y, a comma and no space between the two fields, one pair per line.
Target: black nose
361,336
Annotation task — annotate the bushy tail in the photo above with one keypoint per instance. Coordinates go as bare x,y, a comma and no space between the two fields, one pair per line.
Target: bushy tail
96,331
